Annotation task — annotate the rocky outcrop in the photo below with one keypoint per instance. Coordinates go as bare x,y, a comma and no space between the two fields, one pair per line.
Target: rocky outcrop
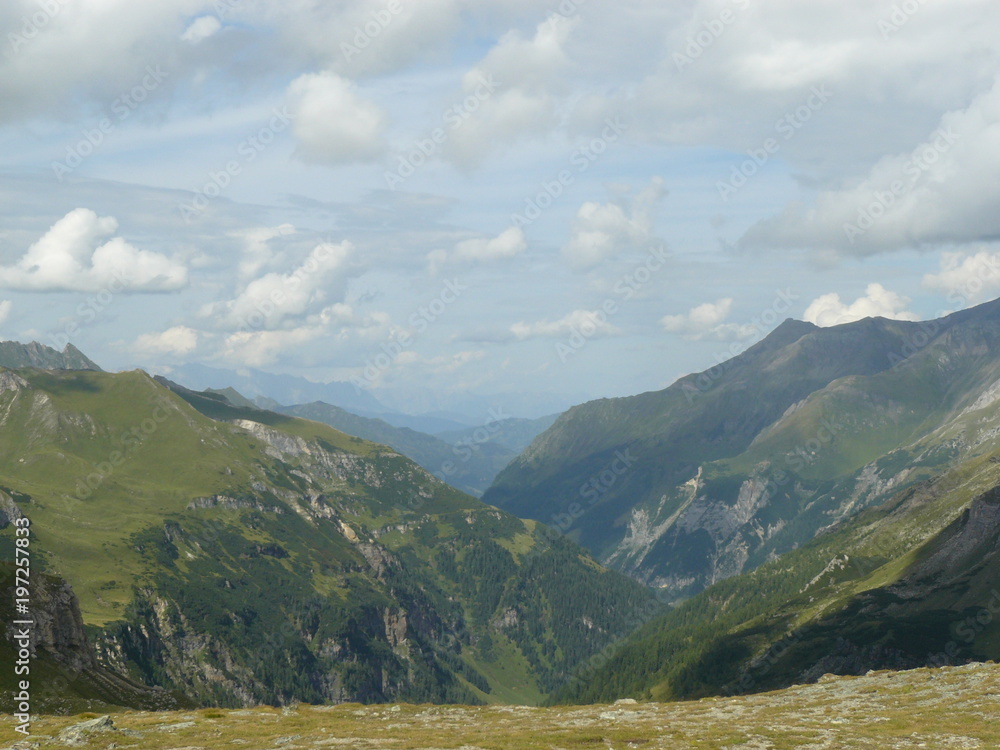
9,512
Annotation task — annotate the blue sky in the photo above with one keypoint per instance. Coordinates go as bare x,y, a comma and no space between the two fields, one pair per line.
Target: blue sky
229,182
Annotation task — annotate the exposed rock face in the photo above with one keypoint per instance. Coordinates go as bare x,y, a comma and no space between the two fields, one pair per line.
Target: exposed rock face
9,512
11,381
58,637
280,444
58,624
232,503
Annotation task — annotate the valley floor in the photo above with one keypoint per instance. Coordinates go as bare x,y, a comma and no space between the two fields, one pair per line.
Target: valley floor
952,707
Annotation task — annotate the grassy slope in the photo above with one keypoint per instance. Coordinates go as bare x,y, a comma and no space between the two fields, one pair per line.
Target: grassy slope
133,527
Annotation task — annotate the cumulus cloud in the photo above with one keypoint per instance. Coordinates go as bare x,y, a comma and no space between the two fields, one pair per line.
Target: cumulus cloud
878,302
201,28
590,323
261,348
601,231
333,123
258,348
257,251
513,88
708,321
966,277
280,300
178,340
74,256
508,244
943,191
5,306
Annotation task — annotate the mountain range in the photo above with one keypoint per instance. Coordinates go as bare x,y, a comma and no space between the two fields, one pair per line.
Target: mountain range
208,553
826,501
728,468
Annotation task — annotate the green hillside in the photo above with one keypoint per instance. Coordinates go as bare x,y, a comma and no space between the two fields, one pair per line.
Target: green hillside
725,469
238,556
913,582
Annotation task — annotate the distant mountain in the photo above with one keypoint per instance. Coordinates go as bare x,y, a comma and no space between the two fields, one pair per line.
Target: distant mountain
272,390
512,433
233,556
728,468
14,355
285,389
472,408
463,463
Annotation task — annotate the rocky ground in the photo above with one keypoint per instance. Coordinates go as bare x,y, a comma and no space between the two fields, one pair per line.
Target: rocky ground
952,707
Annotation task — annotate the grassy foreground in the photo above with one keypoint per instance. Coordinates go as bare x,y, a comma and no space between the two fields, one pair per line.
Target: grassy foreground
952,707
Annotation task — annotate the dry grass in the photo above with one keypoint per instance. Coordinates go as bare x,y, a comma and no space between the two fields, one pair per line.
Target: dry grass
924,708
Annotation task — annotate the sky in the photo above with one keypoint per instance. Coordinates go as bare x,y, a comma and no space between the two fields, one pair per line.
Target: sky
570,199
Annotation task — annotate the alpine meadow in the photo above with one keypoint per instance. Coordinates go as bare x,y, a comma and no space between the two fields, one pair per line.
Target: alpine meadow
499,375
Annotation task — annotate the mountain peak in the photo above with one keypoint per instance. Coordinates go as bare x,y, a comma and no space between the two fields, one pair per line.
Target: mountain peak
15,355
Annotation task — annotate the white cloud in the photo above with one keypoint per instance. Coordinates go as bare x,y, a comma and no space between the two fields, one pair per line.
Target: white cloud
966,277
261,348
708,321
828,310
604,230
943,191
201,28
333,124
5,306
275,300
508,244
257,251
178,340
514,91
73,256
590,323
